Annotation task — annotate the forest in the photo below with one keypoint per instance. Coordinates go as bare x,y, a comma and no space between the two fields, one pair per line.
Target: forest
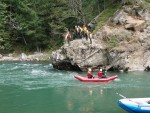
38,25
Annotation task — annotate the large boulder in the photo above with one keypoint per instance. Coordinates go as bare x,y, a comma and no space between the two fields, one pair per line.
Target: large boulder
79,55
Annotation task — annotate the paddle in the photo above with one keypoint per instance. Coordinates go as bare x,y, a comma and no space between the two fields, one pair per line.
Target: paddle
121,95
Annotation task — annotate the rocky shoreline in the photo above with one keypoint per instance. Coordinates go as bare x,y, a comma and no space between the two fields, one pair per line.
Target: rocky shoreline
36,56
122,44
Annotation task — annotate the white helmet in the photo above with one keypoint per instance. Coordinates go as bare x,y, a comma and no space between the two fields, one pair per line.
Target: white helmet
90,69
100,70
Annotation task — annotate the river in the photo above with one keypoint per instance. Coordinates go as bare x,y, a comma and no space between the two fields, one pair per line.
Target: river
27,87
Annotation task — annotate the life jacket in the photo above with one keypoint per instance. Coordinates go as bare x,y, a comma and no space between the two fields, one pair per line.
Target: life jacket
100,74
68,35
89,74
81,29
85,29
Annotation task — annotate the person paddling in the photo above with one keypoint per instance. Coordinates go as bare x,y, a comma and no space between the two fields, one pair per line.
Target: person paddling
89,73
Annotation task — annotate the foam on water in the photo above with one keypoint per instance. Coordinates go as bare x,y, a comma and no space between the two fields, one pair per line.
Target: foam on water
38,72
42,75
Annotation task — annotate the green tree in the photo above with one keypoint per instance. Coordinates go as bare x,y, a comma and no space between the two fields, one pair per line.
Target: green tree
40,24
4,33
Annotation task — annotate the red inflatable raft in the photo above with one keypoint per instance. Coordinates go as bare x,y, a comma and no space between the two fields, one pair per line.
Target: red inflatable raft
85,79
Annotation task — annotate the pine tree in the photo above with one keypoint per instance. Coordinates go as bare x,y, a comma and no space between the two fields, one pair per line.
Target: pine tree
4,33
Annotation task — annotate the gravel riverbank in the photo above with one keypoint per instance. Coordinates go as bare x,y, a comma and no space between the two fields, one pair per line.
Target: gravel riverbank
36,56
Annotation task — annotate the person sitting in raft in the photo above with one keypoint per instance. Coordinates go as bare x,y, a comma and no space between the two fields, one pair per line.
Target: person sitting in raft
101,74
89,73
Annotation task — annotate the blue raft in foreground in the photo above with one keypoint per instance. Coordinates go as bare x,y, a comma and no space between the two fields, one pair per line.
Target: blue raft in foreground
135,105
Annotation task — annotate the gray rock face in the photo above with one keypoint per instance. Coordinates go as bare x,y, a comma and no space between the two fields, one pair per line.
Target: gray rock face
126,46
80,54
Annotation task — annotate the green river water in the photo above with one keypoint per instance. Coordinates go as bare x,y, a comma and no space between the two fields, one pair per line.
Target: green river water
38,88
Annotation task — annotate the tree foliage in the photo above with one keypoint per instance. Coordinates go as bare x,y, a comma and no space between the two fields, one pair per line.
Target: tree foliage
40,24
4,34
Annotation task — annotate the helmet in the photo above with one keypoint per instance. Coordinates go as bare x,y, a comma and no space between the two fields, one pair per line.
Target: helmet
90,69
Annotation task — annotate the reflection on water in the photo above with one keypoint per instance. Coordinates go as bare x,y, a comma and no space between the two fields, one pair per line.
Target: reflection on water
38,88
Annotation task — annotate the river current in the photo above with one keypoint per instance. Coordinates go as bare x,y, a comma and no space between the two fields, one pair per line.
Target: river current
31,87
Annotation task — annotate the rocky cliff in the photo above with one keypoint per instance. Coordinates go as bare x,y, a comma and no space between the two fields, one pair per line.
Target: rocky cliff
124,43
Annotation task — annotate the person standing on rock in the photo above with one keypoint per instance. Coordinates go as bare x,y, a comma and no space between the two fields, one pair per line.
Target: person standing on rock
68,37
81,32
89,73
77,32
85,32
